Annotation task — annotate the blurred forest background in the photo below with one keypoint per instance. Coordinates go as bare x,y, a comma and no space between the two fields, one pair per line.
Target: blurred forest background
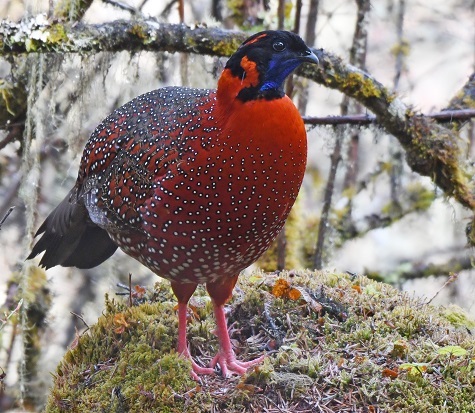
361,208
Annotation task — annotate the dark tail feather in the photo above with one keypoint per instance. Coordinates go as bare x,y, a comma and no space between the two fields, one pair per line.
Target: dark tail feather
70,239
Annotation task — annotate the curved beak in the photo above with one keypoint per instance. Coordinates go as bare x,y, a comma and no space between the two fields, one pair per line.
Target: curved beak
310,57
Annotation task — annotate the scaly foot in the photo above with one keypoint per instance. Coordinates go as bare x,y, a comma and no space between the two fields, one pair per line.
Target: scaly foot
196,369
229,364
226,357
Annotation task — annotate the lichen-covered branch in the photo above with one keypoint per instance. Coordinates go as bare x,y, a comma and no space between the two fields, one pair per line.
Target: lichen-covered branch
38,35
464,99
454,265
431,149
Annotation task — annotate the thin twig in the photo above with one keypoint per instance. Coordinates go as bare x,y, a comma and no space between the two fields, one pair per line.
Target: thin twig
453,277
15,132
281,14
122,6
357,57
181,10
142,5
396,171
81,318
4,321
281,253
130,290
6,216
400,42
298,14
310,37
366,119
166,11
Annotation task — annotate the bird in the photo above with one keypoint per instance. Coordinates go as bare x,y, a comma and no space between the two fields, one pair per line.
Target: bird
193,183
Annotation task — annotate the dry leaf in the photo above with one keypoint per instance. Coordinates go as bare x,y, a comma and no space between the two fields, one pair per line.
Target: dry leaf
139,291
392,374
119,320
294,294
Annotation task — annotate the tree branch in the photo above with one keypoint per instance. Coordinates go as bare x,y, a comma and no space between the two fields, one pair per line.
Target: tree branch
464,99
431,149
367,119
37,35
419,270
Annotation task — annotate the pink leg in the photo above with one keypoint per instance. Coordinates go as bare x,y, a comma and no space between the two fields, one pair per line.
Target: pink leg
226,357
183,346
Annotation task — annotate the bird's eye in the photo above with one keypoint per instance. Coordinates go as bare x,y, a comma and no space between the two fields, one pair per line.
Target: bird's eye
278,46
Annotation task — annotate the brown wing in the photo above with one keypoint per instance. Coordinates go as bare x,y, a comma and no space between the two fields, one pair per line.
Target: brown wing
127,154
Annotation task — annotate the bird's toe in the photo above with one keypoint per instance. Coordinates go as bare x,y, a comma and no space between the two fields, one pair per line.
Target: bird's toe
230,365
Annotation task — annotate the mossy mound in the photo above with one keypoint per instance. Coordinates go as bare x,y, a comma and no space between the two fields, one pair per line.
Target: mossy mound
334,343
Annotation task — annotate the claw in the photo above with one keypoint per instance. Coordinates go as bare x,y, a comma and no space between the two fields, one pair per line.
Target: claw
230,365
195,368
226,358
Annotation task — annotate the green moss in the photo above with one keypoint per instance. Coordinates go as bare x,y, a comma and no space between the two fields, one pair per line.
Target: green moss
57,34
457,316
142,33
362,86
434,151
139,361
402,48
340,337
468,102
222,48
419,196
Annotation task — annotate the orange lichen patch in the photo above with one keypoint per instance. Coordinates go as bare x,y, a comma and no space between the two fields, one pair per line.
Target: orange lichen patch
294,294
250,389
138,292
392,374
360,359
282,289
120,322
356,288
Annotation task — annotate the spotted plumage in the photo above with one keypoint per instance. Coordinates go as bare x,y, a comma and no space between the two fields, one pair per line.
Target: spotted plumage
193,183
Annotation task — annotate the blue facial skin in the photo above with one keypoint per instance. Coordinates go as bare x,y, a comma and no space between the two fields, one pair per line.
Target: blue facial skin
278,71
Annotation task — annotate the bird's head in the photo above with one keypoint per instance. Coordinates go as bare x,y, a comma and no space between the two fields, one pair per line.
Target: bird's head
257,70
